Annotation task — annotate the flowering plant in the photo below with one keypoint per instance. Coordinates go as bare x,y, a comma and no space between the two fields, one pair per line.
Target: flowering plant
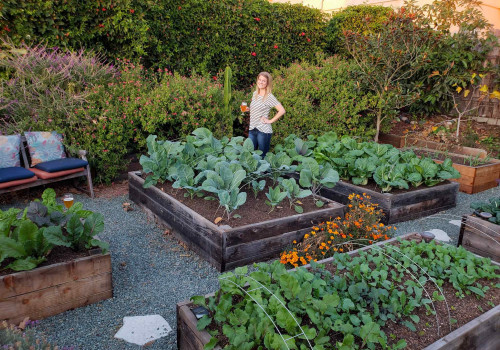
361,226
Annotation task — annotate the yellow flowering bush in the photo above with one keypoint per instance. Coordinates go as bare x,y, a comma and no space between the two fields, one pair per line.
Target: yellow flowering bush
361,226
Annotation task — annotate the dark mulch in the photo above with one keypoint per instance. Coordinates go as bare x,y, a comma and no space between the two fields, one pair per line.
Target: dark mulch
57,255
253,211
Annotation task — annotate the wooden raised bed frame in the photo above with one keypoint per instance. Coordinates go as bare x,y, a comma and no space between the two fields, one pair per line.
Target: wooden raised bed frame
399,207
50,290
480,237
480,333
473,179
226,247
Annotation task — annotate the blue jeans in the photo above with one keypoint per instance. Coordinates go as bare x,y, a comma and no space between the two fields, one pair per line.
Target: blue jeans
261,140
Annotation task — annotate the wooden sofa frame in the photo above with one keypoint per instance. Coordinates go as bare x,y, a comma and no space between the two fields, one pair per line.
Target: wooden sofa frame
86,172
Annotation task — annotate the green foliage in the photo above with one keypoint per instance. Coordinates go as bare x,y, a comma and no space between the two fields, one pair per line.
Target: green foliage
275,196
456,54
219,169
117,28
387,59
363,294
360,18
361,162
492,207
13,338
45,85
322,97
27,237
248,35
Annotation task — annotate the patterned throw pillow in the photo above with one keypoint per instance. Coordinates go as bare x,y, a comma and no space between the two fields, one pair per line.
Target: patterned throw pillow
44,146
9,151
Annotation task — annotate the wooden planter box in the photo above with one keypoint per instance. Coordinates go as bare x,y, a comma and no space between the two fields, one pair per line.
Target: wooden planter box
473,178
480,333
226,247
399,141
50,290
480,236
399,207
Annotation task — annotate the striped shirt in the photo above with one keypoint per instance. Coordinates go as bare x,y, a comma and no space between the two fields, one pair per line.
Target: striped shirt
260,107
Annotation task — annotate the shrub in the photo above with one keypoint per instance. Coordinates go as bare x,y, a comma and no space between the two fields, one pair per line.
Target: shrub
120,115
46,84
115,27
455,55
360,227
359,18
321,98
250,36
387,60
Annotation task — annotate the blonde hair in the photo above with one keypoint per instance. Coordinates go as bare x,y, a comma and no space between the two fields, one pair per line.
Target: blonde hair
269,86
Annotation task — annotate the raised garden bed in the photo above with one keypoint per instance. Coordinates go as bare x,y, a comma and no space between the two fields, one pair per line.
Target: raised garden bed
479,333
399,141
475,175
52,289
401,205
226,247
480,237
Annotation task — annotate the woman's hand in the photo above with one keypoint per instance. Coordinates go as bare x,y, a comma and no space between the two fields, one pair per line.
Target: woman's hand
264,120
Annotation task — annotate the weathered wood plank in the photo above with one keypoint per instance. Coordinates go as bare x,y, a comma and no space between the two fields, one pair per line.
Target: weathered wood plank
188,337
402,206
47,276
178,213
41,302
62,307
270,228
481,237
481,333
199,243
342,190
261,250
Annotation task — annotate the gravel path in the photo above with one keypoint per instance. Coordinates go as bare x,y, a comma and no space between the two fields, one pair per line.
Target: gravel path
442,219
152,272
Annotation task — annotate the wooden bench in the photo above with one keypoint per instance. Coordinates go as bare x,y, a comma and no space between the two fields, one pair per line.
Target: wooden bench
39,181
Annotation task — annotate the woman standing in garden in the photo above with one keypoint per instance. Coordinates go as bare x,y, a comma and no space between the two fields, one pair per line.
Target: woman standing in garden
260,130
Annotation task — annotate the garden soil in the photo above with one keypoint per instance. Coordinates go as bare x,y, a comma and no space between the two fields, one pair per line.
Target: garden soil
255,210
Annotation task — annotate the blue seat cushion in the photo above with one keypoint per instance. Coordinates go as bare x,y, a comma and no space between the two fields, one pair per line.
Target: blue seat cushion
15,173
53,166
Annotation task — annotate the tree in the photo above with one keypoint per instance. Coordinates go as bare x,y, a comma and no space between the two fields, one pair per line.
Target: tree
388,59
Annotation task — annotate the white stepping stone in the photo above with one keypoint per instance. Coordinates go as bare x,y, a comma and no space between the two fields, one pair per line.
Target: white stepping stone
456,222
440,235
143,329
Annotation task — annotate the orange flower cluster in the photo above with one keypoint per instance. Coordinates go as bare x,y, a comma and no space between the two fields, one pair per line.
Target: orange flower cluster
361,226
